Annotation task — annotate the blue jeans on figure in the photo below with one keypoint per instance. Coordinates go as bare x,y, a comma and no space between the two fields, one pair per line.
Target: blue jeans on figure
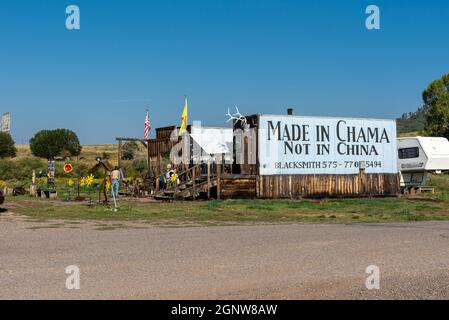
114,187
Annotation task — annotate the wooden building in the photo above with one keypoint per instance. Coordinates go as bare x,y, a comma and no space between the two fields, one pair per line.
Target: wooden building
291,157
330,174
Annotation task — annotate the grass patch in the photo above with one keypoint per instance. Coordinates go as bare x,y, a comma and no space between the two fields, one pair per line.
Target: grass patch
217,212
51,226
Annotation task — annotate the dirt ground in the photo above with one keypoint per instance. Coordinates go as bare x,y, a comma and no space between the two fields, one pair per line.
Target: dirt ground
225,262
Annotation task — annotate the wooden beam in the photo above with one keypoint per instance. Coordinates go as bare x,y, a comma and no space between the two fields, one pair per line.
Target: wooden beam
193,179
149,167
208,179
119,153
218,177
130,139
158,172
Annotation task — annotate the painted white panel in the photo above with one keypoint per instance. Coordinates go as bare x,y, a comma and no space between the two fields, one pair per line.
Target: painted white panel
290,145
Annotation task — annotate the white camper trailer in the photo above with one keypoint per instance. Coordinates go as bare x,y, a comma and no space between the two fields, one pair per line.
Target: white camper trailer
419,155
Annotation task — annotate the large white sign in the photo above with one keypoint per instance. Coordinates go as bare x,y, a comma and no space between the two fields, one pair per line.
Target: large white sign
291,145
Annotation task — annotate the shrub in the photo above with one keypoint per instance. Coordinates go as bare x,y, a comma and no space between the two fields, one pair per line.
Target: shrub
129,150
49,144
7,147
138,168
21,169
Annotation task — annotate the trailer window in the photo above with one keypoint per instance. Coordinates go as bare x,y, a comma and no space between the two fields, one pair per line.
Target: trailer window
409,153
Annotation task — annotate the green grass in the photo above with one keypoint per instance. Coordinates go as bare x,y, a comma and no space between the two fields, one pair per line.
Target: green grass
215,212
246,211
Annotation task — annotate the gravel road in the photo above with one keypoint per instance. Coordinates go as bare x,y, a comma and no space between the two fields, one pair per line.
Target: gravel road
232,262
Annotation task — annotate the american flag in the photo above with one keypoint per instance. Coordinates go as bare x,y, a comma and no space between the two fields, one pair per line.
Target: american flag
147,127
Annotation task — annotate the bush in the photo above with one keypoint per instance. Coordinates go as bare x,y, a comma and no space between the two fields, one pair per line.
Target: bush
7,147
135,169
20,170
436,100
129,150
139,166
49,144
8,169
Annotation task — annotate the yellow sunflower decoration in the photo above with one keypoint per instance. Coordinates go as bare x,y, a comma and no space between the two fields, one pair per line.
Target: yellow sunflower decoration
107,185
70,183
89,180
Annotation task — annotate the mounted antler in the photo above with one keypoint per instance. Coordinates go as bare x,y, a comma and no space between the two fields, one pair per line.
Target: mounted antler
231,117
238,117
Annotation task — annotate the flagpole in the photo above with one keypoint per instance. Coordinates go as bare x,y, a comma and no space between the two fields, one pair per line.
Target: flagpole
147,117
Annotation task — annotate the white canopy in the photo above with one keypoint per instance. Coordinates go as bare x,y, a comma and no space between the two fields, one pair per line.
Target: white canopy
213,140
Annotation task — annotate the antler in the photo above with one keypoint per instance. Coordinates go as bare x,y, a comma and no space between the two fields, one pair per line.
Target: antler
238,112
240,117
237,116
231,117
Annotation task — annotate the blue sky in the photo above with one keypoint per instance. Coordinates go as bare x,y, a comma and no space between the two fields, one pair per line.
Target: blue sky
263,56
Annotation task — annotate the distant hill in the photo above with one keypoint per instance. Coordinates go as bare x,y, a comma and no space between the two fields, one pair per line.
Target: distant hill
413,121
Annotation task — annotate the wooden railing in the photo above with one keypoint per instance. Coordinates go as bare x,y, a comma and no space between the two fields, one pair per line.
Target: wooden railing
191,175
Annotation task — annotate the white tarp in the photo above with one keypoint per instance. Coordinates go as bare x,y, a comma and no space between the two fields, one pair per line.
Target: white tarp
213,141
290,145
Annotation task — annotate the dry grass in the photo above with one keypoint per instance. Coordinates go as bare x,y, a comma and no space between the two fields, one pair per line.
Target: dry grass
408,134
88,154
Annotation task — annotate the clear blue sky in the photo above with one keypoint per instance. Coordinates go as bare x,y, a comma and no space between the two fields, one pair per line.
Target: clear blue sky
316,56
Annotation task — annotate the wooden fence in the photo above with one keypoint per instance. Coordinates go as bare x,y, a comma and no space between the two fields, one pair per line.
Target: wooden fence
299,186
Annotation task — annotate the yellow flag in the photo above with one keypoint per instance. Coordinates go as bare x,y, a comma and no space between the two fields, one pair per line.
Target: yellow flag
184,118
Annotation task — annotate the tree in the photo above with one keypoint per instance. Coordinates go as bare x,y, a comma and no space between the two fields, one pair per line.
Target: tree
436,100
7,147
129,150
49,144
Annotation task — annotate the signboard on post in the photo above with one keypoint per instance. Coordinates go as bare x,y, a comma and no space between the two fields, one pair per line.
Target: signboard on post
6,123
68,168
51,172
297,145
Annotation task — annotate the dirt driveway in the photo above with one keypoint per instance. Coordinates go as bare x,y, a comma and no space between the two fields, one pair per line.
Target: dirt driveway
233,262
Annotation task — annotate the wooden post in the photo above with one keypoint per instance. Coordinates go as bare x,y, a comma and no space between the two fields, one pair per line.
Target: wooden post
119,162
33,190
208,179
148,157
362,181
158,173
219,178
148,166
193,179
161,166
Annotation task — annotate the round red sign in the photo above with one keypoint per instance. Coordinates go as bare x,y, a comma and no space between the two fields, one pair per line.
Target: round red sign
68,168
